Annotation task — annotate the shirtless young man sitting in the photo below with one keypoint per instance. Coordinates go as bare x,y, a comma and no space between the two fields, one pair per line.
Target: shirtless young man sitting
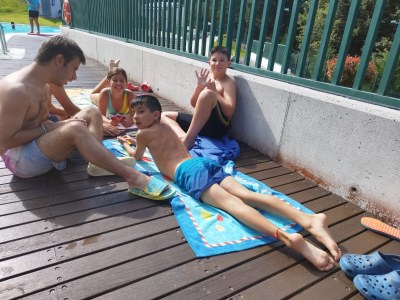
30,145
205,180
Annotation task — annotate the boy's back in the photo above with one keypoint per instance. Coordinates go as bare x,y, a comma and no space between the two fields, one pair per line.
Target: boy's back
165,147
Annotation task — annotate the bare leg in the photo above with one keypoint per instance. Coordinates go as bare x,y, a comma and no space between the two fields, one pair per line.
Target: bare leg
205,104
94,121
217,196
31,23
94,94
37,25
169,117
60,142
315,224
173,115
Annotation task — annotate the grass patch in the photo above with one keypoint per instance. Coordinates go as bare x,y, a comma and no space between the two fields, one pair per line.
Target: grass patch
17,11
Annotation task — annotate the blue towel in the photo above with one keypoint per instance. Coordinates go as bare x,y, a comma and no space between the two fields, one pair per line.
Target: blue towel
220,150
209,230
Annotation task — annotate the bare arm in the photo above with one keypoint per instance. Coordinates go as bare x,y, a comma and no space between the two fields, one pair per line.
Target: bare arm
126,142
141,144
202,83
103,101
56,110
62,97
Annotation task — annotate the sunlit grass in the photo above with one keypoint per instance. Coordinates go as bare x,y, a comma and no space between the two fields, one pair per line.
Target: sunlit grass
17,11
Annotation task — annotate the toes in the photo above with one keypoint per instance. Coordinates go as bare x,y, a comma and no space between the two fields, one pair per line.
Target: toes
326,268
114,63
336,253
329,264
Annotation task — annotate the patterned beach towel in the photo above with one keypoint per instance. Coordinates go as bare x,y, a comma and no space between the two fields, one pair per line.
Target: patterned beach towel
208,230
80,96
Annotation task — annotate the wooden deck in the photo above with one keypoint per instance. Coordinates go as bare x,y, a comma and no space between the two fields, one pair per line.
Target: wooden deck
65,235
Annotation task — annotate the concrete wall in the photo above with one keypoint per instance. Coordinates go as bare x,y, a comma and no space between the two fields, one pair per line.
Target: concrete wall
349,147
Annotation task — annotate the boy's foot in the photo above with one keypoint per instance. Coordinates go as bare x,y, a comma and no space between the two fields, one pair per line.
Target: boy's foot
317,257
113,64
319,229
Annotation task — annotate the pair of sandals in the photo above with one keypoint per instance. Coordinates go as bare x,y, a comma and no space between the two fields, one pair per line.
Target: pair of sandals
145,87
376,276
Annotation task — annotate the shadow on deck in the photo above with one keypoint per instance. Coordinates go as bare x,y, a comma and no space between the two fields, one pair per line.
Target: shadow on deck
67,236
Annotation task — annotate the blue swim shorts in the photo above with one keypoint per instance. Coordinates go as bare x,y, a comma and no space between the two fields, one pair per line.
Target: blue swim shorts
195,175
28,161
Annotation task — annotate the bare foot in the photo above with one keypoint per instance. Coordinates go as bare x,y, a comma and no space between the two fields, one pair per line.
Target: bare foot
113,64
136,179
319,229
317,257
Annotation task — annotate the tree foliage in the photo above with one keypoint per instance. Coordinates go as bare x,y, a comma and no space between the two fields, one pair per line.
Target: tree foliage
386,31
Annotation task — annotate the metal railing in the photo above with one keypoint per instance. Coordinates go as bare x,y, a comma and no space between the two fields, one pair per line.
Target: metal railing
192,27
3,41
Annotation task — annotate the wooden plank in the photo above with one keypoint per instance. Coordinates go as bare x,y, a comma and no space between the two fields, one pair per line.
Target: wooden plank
246,160
57,237
337,285
296,187
252,153
270,173
257,167
126,254
312,193
72,201
282,180
231,280
105,182
299,276
188,274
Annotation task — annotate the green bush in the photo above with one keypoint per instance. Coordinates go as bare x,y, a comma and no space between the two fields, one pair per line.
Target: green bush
380,62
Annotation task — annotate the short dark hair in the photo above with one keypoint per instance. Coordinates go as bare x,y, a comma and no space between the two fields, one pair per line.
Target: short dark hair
221,49
149,101
115,71
59,44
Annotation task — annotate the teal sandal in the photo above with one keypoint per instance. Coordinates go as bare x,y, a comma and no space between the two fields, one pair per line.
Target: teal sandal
156,189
